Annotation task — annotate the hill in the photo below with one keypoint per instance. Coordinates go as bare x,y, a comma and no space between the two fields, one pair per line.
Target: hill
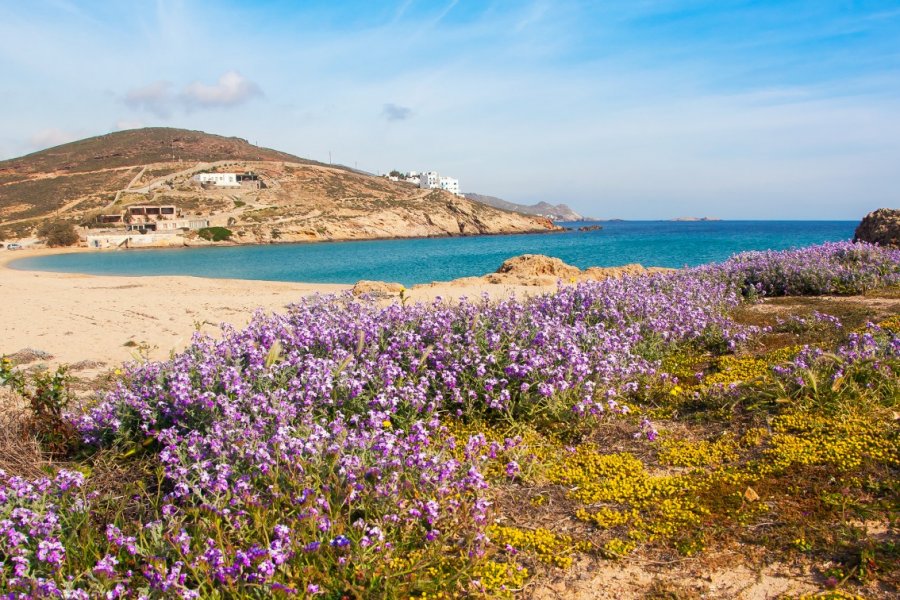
556,212
290,199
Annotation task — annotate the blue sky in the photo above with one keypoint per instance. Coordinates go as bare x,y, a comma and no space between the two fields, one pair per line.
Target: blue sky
629,109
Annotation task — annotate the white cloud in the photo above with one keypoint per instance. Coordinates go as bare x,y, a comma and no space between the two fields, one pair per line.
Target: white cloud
232,89
47,138
156,97
159,98
123,124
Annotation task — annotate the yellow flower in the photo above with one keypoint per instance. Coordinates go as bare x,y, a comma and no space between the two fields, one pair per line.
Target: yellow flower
386,424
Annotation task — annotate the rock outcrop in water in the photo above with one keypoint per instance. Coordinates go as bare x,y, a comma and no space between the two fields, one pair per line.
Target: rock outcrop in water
880,227
540,270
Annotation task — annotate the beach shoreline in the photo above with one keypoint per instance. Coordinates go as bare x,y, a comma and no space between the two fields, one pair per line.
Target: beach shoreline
111,319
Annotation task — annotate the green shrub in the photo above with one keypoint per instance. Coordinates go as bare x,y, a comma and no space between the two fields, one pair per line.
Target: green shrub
58,233
215,234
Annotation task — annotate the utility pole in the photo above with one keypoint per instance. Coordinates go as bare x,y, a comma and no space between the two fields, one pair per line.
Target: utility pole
329,157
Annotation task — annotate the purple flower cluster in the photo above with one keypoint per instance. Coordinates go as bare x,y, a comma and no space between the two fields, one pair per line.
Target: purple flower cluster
879,348
336,407
30,529
831,268
315,442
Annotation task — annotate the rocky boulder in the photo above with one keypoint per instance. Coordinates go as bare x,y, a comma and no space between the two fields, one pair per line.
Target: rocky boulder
377,289
880,227
530,265
533,269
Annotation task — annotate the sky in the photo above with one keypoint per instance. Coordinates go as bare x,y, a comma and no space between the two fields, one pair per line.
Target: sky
635,109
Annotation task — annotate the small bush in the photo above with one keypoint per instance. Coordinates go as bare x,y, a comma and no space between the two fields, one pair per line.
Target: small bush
215,234
58,233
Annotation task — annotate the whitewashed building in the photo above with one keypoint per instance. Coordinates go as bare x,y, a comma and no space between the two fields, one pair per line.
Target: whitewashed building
450,184
192,224
432,180
219,179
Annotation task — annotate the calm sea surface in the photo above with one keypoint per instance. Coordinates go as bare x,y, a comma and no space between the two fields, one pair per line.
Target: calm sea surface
651,243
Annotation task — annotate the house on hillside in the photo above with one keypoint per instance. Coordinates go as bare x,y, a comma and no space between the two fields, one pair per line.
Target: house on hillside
146,212
192,224
219,179
143,217
432,180
230,180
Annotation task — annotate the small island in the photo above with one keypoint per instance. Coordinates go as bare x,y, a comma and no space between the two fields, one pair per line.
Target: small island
693,219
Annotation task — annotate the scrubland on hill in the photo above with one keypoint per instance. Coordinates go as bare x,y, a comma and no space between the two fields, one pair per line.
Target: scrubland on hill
295,199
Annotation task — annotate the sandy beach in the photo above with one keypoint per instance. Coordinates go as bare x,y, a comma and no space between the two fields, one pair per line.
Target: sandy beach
113,319
107,319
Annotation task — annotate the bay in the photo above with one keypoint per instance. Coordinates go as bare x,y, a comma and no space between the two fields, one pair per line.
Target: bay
412,261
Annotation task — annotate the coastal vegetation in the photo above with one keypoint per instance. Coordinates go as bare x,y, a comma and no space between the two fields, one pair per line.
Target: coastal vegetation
215,234
351,449
58,233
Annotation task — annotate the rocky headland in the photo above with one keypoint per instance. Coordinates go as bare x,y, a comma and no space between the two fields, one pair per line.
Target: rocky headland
271,196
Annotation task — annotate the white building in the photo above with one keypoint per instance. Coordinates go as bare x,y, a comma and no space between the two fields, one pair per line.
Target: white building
192,224
432,180
219,179
450,184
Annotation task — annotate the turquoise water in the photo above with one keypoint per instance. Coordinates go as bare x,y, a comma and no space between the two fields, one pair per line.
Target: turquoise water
651,243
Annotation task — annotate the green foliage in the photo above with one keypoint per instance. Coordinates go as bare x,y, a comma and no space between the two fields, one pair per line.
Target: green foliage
48,395
215,234
58,233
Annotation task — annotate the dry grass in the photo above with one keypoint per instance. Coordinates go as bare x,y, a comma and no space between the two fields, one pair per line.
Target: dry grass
20,453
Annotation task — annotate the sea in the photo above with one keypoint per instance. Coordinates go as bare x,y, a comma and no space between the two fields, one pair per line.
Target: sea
413,261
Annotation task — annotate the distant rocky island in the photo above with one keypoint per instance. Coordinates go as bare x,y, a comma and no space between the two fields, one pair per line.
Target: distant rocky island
174,187
693,219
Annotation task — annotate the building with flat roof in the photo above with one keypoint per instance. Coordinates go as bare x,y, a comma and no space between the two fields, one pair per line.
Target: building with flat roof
432,180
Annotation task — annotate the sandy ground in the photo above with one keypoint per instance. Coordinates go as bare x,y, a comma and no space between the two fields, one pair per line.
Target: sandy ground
105,319
108,319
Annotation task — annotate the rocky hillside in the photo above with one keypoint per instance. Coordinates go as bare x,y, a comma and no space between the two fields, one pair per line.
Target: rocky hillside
296,199
557,212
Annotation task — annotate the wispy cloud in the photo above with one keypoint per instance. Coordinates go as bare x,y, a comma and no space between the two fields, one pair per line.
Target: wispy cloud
47,138
395,112
123,124
742,109
232,89
156,97
159,98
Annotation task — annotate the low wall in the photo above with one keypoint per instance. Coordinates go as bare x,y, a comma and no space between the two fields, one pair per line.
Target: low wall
135,240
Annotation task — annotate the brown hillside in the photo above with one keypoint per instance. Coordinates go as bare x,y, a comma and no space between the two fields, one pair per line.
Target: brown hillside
297,199
137,147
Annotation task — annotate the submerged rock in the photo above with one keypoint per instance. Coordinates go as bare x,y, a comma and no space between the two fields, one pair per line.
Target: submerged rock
880,227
